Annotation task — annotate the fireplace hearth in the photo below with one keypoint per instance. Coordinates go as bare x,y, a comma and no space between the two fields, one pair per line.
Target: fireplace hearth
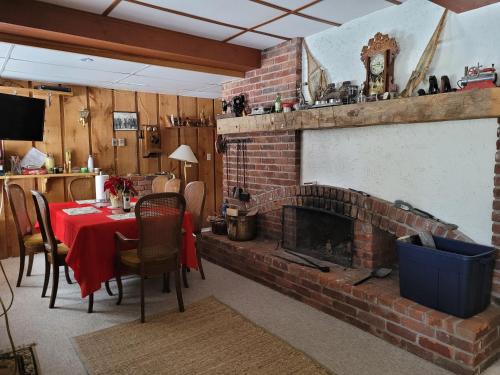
322,234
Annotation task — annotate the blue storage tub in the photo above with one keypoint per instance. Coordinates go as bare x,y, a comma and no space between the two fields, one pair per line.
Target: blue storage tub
454,278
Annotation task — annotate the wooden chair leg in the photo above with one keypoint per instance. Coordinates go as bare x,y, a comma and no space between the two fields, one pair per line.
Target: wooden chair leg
184,277
143,318
47,276
66,273
91,303
55,284
166,283
22,255
178,289
30,264
200,265
108,289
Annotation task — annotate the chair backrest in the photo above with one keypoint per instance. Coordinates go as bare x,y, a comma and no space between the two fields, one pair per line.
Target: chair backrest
43,216
159,217
17,201
194,193
162,184
81,188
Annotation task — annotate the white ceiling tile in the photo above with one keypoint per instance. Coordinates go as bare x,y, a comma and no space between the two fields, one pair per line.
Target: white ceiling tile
94,6
162,83
4,49
342,11
183,75
294,26
201,94
52,79
153,17
289,4
47,56
255,40
241,13
62,72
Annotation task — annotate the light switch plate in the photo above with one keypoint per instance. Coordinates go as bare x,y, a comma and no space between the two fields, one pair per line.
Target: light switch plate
209,157
121,142
114,142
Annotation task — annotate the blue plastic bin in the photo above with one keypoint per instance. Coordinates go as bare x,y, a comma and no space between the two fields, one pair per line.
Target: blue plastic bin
454,278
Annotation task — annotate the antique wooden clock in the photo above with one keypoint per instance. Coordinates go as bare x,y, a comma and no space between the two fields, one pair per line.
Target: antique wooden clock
378,58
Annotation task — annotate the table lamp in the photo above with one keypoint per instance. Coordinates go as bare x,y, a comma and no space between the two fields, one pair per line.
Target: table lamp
185,154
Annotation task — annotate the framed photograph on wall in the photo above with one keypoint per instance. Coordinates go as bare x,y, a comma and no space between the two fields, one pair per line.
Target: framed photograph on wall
125,121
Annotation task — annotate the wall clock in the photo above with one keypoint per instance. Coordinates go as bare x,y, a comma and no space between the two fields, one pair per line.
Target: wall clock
378,58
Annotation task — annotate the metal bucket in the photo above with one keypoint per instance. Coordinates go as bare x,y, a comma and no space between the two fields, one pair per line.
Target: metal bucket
241,227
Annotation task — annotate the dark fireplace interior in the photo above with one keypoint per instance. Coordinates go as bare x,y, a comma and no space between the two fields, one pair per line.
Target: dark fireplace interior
322,234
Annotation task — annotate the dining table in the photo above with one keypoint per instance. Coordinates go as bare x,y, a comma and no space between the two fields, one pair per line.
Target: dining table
90,238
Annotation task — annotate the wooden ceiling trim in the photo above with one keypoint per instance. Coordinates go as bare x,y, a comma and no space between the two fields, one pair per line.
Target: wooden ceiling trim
460,6
82,32
395,2
111,7
297,11
209,20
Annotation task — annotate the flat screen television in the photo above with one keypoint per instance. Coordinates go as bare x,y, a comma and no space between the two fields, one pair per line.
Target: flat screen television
21,118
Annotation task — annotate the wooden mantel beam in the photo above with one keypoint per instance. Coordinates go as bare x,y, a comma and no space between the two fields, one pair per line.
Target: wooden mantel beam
45,25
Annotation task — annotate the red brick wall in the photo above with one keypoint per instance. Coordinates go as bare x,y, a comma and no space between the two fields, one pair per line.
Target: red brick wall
273,159
496,223
280,72
143,184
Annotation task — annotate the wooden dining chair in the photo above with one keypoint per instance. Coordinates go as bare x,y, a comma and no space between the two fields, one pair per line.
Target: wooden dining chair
157,250
162,184
81,188
29,242
195,193
55,252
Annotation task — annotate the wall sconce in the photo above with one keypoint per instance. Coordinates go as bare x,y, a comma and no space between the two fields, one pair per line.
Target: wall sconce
84,116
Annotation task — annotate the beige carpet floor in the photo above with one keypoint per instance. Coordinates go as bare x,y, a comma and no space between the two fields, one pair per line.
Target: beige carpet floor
338,346
209,338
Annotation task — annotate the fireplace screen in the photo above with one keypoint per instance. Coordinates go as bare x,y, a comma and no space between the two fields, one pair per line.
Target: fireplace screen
318,233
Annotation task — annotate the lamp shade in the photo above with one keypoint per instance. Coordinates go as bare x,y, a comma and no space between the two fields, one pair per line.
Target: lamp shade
184,153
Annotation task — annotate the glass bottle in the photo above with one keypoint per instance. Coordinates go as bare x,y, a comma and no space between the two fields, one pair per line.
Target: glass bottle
126,201
277,103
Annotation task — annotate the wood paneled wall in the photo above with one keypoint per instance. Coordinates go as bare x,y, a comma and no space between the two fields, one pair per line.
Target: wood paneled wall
63,131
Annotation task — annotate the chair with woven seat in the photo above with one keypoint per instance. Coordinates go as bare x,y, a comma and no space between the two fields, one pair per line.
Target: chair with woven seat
29,242
162,184
81,188
195,193
55,252
157,250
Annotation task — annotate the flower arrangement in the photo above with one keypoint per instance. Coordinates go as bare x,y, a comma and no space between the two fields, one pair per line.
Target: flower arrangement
119,185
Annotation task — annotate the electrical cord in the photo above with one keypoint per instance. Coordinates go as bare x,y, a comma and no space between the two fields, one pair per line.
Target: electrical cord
7,325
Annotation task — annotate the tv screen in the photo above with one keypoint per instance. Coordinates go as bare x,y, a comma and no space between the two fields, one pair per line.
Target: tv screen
21,118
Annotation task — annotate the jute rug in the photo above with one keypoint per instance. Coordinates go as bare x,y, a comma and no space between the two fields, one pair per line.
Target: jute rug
208,338
26,361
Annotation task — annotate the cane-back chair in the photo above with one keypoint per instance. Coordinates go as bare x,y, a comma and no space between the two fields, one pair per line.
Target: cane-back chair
157,250
29,242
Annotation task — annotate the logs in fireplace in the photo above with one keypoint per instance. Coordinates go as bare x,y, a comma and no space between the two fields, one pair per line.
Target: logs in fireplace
319,233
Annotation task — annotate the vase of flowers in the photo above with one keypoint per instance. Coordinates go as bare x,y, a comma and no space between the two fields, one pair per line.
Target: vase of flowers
117,186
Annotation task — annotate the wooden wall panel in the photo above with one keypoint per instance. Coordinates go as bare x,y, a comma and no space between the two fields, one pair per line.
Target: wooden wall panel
101,120
167,105
187,107
76,136
147,106
169,142
218,166
206,170
189,136
126,157
205,107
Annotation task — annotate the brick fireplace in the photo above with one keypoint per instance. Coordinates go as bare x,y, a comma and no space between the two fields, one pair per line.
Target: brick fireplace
462,346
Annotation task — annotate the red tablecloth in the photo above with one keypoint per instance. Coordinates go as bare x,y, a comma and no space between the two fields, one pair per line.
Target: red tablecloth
91,241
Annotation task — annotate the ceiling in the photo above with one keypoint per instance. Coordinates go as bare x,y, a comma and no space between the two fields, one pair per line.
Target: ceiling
251,23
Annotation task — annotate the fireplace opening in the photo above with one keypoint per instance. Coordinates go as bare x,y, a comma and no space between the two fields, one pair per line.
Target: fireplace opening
319,233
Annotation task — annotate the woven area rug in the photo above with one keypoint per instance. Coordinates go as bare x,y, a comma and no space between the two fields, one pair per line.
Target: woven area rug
208,338
26,361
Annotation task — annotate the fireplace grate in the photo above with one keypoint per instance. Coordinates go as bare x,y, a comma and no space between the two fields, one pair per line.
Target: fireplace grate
319,233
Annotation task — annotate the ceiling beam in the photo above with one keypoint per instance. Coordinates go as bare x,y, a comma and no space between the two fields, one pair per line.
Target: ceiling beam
460,6
50,26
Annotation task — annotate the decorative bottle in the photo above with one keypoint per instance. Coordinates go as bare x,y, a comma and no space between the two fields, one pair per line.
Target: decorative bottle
277,103
90,164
